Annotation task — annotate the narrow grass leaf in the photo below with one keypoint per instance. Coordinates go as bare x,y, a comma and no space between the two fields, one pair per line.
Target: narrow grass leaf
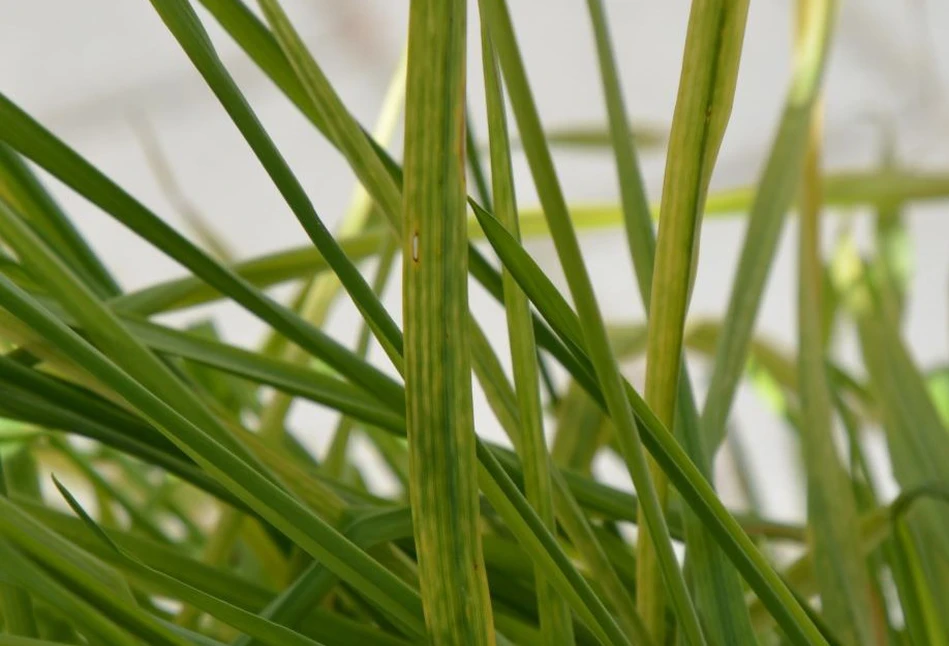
593,137
33,141
140,520
266,631
260,493
831,507
503,401
894,251
555,623
15,602
297,380
10,640
183,23
843,190
262,271
633,200
19,186
43,400
500,30
915,433
115,340
444,487
21,571
70,563
341,127
555,562
526,526
685,476
581,430
160,556
321,293
719,596
777,189
703,105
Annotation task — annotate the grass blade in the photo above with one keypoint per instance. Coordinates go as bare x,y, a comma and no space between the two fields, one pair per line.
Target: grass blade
543,548
527,527
15,602
64,406
703,106
720,598
72,565
916,591
140,520
266,631
103,327
844,190
581,430
594,137
10,640
894,251
239,590
915,434
503,401
259,492
685,476
555,623
831,507
776,191
28,137
297,380
261,271
19,186
321,293
340,125
183,23
500,30
444,488
19,570
633,200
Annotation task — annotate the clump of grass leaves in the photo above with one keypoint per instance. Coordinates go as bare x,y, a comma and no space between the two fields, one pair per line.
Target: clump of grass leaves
202,521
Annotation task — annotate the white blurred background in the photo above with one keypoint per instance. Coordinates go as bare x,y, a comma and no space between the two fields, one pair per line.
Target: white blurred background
91,69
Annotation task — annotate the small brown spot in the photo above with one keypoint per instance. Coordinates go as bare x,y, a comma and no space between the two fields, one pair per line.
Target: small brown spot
415,246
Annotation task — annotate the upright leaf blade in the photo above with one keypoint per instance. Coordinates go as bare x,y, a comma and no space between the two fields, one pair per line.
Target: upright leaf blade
776,191
637,220
916,436
555,622
831,507
442,463
688,479
495,15
719,595
706,90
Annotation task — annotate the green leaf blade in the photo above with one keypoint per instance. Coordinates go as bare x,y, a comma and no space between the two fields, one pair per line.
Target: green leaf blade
832,509
555,622
444,489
